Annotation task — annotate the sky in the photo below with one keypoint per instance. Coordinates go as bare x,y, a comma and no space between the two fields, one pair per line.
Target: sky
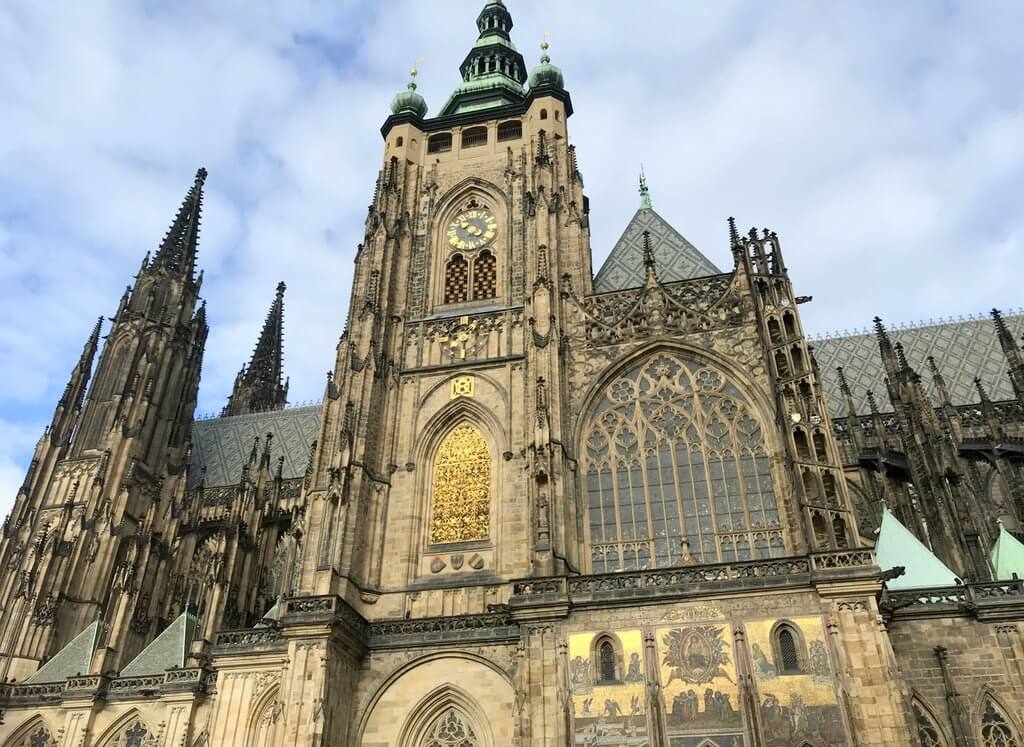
882,141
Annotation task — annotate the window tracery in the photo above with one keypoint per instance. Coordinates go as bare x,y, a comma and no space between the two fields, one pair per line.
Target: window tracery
134,735
462,487
927,731
450,730
996,731
36,736
677,470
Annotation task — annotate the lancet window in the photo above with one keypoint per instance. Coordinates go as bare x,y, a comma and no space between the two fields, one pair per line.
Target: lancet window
927,731
485,276
677,470
462,487
996,731
456,280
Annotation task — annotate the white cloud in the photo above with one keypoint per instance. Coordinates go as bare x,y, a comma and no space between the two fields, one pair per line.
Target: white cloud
880,140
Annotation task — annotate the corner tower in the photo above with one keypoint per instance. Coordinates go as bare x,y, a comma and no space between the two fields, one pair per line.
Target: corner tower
427,470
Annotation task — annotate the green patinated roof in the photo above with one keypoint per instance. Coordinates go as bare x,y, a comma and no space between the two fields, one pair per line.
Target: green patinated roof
675,257
1007,556
223,445
167,651
897,546
74,659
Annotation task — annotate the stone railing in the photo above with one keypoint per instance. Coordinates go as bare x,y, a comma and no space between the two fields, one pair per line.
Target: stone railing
987,600
490,626
329,608
695,579
255,639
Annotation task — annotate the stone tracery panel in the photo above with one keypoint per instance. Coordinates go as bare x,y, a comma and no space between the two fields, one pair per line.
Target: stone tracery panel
677,470
450,730
461,504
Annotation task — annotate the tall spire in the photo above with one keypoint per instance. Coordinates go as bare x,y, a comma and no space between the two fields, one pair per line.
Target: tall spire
1012,352
65,416
645,193
177,252
258,385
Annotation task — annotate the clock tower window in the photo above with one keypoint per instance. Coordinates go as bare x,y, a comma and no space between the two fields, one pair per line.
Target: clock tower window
456,280
485,276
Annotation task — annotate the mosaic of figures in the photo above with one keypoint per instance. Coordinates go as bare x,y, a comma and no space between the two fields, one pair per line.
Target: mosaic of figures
606,675
696,668
796,691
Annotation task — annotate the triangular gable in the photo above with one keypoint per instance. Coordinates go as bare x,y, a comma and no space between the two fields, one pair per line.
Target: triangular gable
897,545
74,659
675,257
167,651
1007,556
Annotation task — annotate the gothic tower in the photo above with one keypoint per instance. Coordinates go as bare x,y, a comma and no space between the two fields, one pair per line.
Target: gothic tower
88,526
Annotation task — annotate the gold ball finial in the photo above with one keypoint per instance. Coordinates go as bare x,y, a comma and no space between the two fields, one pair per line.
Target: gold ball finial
544,45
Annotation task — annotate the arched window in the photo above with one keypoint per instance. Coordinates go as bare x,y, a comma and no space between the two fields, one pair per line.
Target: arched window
774,331
803,451
996,730
788,648
440,143
673,452
782,364
820,450
820,531
456,280
451,729
474,137
134,735
399,141
543,113
485,276
461,509
607,662
606,654
510,130
927,730
839,532
33,734
790,323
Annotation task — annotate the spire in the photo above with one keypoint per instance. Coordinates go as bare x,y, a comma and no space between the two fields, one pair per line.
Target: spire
258,385
493,72
177,252
66,414
734,235
940,381
1012,352
649,262
645,193
885,347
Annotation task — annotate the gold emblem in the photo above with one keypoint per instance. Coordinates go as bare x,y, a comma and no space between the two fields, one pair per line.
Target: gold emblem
462,386
472,229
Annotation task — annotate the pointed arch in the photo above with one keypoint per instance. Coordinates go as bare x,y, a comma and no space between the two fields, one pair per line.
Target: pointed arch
995,726
448,716
929,732
676,465
460,503
33,733
265,719
129,730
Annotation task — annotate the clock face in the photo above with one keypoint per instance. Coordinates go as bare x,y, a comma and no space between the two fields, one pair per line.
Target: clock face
472,229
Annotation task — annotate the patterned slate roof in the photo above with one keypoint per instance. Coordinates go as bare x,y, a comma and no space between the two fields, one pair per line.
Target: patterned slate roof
74,659
962,350
675,257
223,445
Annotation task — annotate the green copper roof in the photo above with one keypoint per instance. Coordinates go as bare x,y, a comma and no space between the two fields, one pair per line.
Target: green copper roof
1007,556
74,659
897,545
167,651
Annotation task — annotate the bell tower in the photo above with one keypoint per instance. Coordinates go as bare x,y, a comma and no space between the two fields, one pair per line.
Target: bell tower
440,461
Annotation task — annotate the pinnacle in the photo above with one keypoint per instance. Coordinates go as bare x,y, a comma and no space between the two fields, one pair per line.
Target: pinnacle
177,252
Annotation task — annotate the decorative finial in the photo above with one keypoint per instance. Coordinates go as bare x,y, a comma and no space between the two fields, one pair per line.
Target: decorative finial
413,72
645,193
544,48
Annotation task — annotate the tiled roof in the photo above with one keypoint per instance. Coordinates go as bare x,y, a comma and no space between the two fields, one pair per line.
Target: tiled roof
74,659
897,546
167,651
675,257
962,350
222,445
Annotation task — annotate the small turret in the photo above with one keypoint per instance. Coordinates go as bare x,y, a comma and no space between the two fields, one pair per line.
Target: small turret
546,74
408,101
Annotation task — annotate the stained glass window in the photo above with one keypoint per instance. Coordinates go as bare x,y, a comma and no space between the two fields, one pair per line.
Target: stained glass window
677,471
607,657
995,729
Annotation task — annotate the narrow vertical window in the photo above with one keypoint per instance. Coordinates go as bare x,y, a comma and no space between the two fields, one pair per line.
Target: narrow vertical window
485,276
790,661
607,662
456,280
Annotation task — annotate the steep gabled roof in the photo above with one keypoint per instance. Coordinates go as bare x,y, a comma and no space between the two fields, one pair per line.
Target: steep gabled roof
1007,556
167,651
675,257
223,445
897,546
962,350
74,659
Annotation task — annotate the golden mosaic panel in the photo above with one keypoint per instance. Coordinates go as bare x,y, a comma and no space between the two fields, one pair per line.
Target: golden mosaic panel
461,506
609,713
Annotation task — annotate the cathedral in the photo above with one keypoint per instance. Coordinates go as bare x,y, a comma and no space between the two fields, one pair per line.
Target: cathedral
538,505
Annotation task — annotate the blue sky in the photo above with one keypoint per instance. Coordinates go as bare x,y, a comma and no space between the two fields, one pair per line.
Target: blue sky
882,141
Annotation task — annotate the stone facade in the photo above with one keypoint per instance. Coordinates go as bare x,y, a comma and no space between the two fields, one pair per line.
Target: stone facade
528,512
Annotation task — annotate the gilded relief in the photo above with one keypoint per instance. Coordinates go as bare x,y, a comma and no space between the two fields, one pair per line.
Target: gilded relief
796,692
606,675
698,675
462,487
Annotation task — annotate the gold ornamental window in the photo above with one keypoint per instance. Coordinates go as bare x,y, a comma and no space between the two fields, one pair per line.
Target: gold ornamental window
456,280
485,276
461,505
